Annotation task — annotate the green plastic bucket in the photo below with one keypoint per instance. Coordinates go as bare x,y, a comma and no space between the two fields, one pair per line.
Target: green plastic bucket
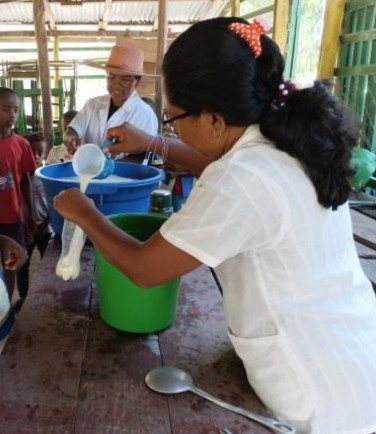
123,304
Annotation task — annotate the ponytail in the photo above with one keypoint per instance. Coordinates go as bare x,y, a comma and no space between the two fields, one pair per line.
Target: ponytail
312,127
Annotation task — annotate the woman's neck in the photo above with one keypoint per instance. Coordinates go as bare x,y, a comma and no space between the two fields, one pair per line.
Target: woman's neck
231,136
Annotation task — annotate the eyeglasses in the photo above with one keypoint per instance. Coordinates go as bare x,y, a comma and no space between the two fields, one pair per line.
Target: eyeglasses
166,120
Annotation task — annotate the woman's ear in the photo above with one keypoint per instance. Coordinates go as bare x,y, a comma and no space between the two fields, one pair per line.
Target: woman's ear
216,123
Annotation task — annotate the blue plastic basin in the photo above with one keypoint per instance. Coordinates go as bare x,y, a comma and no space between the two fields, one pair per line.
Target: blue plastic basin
109,197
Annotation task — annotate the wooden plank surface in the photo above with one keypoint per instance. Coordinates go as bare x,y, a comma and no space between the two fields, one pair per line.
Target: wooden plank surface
41,363
365,227
63,370
113,397
198,343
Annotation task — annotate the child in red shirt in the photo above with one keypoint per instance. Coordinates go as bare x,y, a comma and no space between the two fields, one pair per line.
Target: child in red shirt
42,235
16,161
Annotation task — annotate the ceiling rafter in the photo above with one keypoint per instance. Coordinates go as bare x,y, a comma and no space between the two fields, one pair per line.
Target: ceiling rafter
50,17
102,24
87,34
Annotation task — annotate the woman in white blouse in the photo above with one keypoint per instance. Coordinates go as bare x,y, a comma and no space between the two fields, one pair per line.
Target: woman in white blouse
269,213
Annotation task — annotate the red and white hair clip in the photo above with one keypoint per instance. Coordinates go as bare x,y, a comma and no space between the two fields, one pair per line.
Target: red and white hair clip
251,33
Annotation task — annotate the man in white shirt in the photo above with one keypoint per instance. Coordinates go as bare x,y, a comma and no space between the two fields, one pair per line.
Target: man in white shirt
122,104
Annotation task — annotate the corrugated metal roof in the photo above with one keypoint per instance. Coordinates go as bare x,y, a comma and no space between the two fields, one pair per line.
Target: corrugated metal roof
126,12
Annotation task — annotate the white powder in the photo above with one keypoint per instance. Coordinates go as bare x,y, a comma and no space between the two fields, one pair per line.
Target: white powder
111,178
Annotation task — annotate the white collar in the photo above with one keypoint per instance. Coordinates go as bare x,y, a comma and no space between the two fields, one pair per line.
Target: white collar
252,136
127,104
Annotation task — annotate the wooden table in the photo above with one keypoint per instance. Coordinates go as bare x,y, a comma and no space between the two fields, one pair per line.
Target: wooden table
365,227
63,370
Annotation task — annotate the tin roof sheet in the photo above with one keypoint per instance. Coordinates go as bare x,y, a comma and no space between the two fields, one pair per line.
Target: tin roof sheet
120,12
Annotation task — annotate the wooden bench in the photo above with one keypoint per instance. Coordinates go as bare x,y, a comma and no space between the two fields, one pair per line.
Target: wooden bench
63,370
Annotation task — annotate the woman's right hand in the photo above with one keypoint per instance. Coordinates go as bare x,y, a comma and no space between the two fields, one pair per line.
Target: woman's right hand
129,139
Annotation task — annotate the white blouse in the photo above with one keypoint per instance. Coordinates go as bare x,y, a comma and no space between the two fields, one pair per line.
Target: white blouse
300,311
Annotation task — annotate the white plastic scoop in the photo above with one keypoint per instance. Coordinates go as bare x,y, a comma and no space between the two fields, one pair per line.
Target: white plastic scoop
88,162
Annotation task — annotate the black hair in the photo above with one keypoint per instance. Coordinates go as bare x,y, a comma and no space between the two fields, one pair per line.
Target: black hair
70,114
209,67
6,91
35,138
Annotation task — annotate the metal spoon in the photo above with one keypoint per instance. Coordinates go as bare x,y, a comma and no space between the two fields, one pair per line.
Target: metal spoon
170,380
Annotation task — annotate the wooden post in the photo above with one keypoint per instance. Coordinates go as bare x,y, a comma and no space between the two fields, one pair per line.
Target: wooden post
235,8
44,72
161,48
330,42
281,23
57,72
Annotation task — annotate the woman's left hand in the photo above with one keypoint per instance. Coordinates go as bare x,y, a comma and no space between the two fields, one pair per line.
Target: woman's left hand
73,205
13,254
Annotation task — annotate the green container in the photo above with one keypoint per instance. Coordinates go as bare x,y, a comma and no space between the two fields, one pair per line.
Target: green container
364,164
123,304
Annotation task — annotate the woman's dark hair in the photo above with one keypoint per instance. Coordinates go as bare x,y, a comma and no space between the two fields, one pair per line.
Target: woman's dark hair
209,67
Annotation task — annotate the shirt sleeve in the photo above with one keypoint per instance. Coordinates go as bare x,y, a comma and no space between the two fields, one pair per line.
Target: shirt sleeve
146,120
81,121
27,160
227,216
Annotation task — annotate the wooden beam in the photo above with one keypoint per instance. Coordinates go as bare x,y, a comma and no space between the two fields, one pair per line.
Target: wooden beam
235,8
259,12
214,10
330,42
44,71
57,72
102,25
281,23
161,49
84,34
50,17
346,71
359,4
361,36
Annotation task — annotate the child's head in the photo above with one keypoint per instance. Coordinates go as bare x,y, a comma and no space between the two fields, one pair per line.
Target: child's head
68,118
39,146
9,106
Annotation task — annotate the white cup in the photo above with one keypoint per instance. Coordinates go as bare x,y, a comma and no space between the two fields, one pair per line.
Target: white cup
89,158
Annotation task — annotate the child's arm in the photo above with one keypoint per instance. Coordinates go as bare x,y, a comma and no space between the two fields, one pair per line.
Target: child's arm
25,186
